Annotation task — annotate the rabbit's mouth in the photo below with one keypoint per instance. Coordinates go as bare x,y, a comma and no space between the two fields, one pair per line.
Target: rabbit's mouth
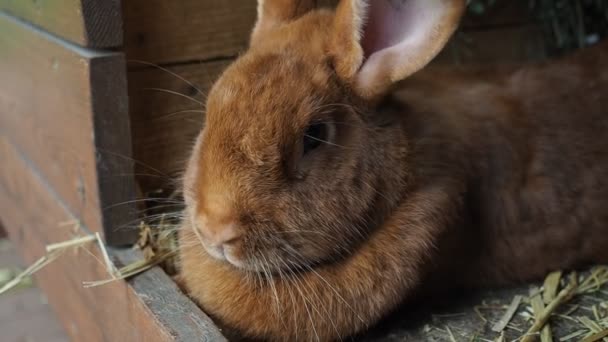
263,246
284,260
274,260
227,253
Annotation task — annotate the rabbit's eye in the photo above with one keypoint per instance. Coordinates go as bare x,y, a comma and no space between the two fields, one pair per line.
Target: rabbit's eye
315,135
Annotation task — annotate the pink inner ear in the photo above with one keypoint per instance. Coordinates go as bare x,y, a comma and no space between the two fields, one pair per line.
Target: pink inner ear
391,22
400,37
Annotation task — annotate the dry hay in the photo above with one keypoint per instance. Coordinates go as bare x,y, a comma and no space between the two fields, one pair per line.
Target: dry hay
158,246
567,307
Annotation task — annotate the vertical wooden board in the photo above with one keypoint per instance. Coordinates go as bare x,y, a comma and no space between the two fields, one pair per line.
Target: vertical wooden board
113,149
164,123
161,31
113,312
66,108
90,23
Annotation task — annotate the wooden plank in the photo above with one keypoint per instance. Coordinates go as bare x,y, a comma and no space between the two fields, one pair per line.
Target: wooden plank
114,312
180,31
164,125
24,308
161,31
113,148
169,306
90,23
66,107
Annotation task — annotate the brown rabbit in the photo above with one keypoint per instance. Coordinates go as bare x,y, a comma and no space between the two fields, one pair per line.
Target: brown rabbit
318,198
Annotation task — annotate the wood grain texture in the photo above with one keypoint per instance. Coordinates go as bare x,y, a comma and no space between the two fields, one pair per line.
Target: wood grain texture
161,31
169,306
151,309
90,23
164,124
66,108
24,308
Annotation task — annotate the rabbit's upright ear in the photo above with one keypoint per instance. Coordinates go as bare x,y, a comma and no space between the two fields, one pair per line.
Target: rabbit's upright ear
274,13
376,43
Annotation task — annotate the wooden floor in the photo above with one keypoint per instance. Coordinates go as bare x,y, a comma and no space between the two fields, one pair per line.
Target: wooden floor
24,314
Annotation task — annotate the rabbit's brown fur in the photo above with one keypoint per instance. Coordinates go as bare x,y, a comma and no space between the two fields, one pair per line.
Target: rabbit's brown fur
495,175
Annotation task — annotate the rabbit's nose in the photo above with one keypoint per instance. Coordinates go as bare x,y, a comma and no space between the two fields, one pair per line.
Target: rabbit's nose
224,234
219,233
223,240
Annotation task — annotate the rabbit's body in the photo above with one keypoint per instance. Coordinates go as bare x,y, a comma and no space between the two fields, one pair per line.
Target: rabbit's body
534,146
316,204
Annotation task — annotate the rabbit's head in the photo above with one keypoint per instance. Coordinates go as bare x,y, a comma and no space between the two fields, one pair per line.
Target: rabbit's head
296,165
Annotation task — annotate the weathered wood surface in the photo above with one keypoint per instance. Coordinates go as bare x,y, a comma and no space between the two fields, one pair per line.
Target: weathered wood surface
161,31
66,108
113,312
169,306
25,314
164,123
90,23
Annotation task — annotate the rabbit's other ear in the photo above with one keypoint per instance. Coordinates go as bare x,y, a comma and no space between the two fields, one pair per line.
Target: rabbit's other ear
274,13
376,43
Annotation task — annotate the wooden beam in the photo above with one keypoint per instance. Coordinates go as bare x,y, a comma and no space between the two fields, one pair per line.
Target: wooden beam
89,23
161,31
175,312
151,308
66,108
